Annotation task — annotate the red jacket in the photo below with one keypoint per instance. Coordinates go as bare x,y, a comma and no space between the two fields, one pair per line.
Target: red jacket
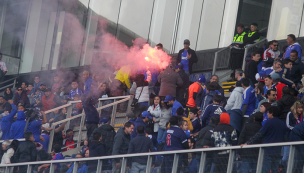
279,86
48,103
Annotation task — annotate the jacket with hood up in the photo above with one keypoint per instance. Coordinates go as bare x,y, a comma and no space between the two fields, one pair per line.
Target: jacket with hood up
204,136
108,133
88,103
297,71
6,123
26,152
17,128
121,143
284,104
235,100
96,149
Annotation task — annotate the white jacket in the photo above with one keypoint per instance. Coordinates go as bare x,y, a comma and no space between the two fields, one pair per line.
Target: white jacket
144,96
6,158
155,114
235,100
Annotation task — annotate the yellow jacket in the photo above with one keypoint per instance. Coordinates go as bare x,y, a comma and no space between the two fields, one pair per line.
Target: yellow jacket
190,127
123,75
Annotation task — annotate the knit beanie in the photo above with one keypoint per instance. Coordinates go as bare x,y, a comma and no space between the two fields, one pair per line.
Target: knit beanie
225,118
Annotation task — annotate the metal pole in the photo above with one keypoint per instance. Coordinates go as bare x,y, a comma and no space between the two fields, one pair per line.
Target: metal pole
291,158
51,139
113,114
244,62
230,161
52,170
99,166
80,132
69,113
260,160
123,164
176,23
14,84
149,164
175,163
214,63
29,168
75,168
202,162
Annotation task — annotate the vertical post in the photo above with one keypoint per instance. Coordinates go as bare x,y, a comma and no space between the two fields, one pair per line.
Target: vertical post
175,163
214,63
80,131
203,161
123,165
113,114
176,23
99,105
2,19
149,164
51,139
7,169
99,166
291,158
260,160
69,113
230,161
75,169
29,168
52,168
14,84
244,58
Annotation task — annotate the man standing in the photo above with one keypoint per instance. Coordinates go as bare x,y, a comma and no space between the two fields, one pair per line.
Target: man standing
249,98
291,41
238,74
253,36
271,97
277,85
121,144
237,49
181,91
268,83
3,69
7,121
271,53
141,121
297,70
194,89
88,82
168,80
17,128
170,101
186,57
252,69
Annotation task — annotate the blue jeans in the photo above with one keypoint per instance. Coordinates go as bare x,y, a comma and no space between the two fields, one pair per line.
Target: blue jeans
138,168
271,162
161,136
249,164
285,156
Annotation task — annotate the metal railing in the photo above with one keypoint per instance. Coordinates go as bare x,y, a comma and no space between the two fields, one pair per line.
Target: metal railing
69,108
251,47
224,57
203,152
9,85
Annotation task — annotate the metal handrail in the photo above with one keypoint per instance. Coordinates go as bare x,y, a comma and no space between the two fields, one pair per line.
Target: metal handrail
161,153
20,140
8,80
246,51
215,58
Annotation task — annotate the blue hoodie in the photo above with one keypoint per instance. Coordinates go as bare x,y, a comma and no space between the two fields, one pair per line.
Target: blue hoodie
175,106
295,46
139,121
35,128
17,128
6,123
87,85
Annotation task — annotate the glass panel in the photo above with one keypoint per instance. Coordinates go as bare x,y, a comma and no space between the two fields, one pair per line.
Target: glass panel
12,64
134,20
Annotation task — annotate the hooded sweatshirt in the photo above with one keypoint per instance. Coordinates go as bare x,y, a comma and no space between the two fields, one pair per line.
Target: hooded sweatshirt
295,46
235,100
6,123
96,149
17,128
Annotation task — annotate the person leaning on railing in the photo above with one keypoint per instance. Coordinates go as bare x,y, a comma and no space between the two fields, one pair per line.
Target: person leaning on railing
3,69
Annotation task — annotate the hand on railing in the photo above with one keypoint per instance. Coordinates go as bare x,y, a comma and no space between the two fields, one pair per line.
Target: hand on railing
242,145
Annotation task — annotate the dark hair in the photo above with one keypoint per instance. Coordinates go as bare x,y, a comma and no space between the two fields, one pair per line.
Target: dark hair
212,86
25,83
180,111
245,82
254,24
238,84
274,110
173,121
254,53
293,37
57,148
286,61
96,136
31,84
274,41
258,117
285,90
80,154
266,105
77,95
294,51
217,98
37,89
140,129
160,45
215,120
74,81
69,130
293,92
240,25
159,100
128,124
148,131
269,91
194,111
36,76
14,144
268,76
27,135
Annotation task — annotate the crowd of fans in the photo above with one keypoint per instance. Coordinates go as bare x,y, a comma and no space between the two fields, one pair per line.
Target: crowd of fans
264,107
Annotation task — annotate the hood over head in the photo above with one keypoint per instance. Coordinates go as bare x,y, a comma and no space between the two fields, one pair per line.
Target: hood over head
21,115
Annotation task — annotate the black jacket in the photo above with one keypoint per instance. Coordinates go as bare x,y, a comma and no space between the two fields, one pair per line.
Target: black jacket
204,136
192,60
26,152
250,40
121,143
141,144
252,70
224,135
96,149
297,71
88,103
185,79
285,104
5,107
108,133
249,131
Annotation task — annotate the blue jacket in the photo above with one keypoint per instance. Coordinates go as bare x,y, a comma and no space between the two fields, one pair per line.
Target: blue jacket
87,85
88,103
141,144
6,123
17,128
35,128
210,111
36,85
81,169
208,99
266,71
175,106
139,121
285,75
295,46
297,133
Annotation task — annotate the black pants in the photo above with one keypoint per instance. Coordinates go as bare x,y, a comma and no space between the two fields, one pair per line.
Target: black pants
90,128
180,96
236,58
221,163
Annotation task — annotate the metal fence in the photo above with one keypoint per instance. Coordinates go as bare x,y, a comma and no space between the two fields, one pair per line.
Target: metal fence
114,102
293,152
251,48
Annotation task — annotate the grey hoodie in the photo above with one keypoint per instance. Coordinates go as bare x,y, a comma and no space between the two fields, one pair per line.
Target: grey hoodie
164,117
235,100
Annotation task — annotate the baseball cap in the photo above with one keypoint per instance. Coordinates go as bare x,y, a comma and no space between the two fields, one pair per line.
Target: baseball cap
186,41
146,114
275,76
201,79
178,66
104,120
169,98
